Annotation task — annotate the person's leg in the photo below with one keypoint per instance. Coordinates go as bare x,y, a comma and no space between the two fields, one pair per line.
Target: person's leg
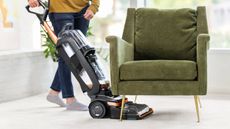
55,86
64,74
82,24
53,95
65,79
62,80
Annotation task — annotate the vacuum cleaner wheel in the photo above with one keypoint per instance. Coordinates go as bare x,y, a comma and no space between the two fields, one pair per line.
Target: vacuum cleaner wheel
97,109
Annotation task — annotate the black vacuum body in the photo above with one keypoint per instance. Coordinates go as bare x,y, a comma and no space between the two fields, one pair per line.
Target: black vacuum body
80,57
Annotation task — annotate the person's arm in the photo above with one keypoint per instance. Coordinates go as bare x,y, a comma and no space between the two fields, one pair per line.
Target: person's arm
33,3
93,8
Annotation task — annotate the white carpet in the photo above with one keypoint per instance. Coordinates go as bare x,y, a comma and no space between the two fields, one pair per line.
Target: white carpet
171,112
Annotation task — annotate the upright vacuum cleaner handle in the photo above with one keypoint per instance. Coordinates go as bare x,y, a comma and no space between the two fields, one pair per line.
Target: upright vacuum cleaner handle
42,18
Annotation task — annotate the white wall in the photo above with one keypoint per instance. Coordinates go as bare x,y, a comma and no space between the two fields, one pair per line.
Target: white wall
25,34
29,29
219,71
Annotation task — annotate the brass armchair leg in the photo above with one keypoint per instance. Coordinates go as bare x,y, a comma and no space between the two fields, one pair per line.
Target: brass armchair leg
135,99
197,108
122,106
199,101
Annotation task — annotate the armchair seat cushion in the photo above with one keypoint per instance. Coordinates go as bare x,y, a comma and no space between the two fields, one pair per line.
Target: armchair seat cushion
150,70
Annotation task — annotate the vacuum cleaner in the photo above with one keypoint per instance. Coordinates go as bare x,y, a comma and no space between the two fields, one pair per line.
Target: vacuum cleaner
80,57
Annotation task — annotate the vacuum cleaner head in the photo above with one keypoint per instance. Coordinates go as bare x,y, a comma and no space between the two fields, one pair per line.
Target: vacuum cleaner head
110,107
132,111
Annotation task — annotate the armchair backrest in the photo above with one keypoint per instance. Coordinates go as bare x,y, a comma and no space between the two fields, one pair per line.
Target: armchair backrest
164,34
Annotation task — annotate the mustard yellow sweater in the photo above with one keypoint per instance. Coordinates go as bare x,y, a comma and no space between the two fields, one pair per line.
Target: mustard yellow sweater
69,6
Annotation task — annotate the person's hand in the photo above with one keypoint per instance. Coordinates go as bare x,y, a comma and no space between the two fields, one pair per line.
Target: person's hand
88,14
33,3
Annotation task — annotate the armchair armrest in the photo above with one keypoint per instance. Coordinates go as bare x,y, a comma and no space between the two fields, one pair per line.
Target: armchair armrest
120,52
202,48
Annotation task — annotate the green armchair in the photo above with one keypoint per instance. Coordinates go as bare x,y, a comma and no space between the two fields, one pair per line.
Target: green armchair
162,52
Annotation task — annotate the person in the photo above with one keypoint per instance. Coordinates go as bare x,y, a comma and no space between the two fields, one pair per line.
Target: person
61,12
